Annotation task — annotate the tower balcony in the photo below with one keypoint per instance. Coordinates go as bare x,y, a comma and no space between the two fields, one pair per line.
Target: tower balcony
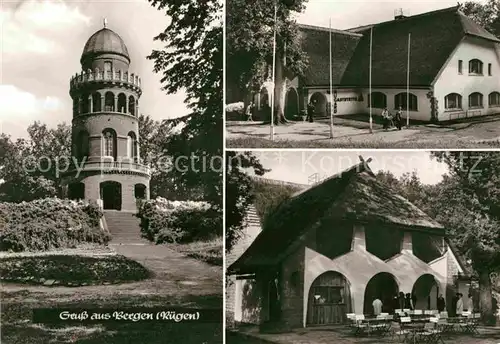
112,77
107,167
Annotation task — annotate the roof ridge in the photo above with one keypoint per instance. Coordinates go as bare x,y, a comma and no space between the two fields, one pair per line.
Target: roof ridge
323,28
454,8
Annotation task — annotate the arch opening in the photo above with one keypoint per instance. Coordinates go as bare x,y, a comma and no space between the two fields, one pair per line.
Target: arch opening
318,99
131,105
109,101
425,292
122,103
132,146
111,195
384,287
96,102
140,191
82,145
329,299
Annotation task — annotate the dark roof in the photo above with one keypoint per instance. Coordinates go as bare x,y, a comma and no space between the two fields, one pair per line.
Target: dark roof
434,36
315,41
105,41
353,195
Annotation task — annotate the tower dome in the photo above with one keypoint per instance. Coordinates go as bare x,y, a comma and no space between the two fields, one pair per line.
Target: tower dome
104,41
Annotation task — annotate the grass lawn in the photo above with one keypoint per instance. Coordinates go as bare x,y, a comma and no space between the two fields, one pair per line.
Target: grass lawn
71,270
175,282
17,327
255,142
207,251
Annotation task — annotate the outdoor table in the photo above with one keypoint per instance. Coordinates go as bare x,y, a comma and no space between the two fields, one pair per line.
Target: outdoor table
377,325
414,328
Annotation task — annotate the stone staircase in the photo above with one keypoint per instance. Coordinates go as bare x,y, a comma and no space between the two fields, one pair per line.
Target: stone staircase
123,227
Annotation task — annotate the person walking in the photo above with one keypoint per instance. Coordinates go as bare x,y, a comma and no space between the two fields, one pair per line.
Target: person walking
470,303
409,302
441,303
249,112
398,118
454,305
377,306
401,300
460,304
386,116
310,111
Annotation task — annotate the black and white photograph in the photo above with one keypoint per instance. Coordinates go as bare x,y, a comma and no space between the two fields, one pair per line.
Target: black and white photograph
362,247
111,172
362,74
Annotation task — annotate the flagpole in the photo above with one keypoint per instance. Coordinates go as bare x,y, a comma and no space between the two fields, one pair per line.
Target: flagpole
274,70
331,84
370,80
408,85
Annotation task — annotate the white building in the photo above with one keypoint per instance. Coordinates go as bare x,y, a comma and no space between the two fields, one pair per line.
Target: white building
454,69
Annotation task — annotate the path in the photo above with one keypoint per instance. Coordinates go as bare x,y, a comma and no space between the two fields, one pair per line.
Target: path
357,134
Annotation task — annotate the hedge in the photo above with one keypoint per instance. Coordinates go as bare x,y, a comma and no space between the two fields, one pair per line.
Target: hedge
164,221
49,223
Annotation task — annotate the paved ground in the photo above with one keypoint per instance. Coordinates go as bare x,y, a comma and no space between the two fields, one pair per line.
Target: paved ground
355,134
322,335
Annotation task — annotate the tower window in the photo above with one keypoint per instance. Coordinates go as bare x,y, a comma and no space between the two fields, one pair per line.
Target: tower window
108,67
109,102
131,105
122,103
460,66
489,69
132,146
109,144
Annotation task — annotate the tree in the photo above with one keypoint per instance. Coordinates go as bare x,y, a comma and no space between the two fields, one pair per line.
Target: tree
477,175
192,60
31,169
487,15
466,202
239,193
249,37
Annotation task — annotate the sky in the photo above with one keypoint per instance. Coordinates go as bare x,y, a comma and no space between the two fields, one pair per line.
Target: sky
299,166
349,14
41,45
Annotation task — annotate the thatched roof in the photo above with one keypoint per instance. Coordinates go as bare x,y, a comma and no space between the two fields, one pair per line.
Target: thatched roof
353,195
434,36
315,42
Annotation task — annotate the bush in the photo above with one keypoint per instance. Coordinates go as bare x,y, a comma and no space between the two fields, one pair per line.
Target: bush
164,221
49,223
71,270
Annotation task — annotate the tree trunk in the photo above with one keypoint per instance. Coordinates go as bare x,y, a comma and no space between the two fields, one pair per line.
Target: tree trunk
485,296
279,83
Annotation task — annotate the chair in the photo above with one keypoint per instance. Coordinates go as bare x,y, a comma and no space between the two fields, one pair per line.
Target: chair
397,329
443,315
360,327
428,312
417,312
431,334
444,326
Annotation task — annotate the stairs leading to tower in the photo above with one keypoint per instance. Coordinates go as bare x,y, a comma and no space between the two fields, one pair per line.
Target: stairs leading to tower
124,227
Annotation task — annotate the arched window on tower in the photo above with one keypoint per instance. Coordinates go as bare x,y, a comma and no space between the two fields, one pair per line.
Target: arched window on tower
108,67
131,105
109,143
122,102
96,102
109,101
132,146
85,103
